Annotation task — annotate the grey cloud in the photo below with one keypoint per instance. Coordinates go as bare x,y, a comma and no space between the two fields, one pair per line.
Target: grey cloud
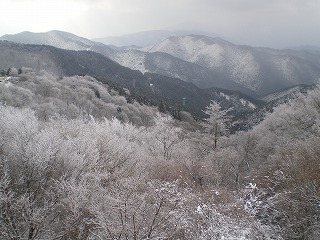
275,23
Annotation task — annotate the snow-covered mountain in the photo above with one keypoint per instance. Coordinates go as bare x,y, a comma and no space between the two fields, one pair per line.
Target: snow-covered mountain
148,88
54,38
202,60
259,69
60,39
203,50
146,38
215,54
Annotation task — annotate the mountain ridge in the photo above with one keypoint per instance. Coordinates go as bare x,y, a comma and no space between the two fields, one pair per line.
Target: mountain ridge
145,38
54,38
206,61
258,69
146,88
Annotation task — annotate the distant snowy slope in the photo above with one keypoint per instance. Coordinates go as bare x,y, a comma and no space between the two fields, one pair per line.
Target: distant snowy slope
54,38
215,54
197,49
130,58
59,39
202,60
146,38
261,70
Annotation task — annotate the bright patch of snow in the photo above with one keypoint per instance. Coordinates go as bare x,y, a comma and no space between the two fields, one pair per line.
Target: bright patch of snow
192,49
132,59
284,66
225,96
65,41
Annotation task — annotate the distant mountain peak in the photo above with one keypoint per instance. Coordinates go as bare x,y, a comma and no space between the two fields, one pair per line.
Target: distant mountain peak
202,50
56,38
146,38
192,39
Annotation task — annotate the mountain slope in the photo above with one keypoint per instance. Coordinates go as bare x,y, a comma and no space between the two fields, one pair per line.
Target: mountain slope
59,39
145,38
284,95
54,38
174,67
202,60
260,69
63,62
159,63
146,88
273,100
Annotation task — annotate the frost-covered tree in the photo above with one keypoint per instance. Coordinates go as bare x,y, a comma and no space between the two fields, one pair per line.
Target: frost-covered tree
27,205
285,170
217,123
164,138
72,168
2,72
12,71
72,97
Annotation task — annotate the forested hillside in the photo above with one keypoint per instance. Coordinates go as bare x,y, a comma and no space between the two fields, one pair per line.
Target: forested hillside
72,97
78,161
152,89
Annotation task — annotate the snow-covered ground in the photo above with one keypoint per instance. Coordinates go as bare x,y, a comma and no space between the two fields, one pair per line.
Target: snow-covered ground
130,58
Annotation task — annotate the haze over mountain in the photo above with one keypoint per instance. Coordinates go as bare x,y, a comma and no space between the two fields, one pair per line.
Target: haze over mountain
143,39
203,60
307,48
274,23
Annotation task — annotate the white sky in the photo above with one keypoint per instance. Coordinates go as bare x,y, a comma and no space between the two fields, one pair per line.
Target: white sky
274,23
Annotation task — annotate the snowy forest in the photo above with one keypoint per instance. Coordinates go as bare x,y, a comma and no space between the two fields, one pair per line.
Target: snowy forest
77,161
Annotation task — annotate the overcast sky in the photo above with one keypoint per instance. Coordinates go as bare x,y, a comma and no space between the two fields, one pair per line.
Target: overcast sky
273,23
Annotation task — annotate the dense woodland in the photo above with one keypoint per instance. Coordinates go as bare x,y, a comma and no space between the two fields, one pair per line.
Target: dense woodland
78,161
